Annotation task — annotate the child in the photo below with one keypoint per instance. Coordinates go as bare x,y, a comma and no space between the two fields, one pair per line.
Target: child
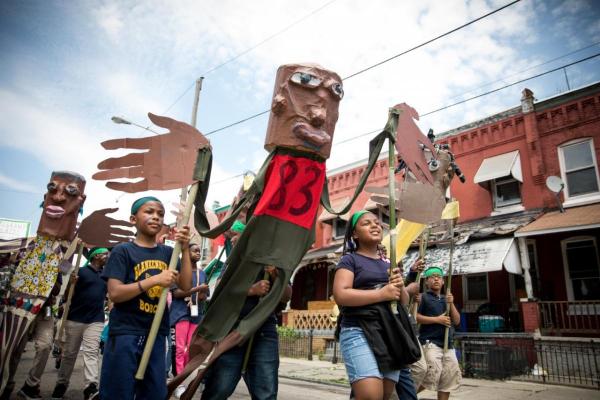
187,309
443,372
364,288
136,273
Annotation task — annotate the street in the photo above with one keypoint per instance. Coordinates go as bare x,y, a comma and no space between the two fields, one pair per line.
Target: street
298,381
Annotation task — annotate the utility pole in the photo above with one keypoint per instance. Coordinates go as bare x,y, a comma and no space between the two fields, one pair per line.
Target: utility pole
184,190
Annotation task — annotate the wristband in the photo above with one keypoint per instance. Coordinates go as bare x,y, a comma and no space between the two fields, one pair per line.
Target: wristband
140,286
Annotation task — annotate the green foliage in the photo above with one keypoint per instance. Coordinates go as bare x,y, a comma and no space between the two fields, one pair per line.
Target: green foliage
287,332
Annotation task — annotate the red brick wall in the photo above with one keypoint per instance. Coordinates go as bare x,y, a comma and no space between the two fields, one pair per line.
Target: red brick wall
530,315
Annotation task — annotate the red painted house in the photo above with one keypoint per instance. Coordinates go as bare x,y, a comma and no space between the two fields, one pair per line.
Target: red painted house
519,257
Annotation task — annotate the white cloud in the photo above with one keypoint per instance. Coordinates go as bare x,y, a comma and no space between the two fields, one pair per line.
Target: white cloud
17,185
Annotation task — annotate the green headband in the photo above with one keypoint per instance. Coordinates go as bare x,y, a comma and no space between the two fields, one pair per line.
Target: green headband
140,202
432,271
94,253
356,216
238,227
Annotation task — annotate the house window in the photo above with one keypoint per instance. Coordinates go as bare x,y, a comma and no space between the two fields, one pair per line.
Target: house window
578,168
476,286
506,191
339,228
582,270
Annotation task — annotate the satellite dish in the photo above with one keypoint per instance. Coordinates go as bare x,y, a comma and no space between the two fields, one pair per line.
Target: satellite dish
555,184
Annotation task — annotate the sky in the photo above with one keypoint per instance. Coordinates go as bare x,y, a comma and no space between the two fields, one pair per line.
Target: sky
68,67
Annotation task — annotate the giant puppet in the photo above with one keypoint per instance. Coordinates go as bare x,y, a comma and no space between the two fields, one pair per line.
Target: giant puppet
37,273
283,203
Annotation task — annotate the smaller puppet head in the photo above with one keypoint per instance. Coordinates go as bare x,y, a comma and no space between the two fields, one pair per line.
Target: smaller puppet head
304,110
62,204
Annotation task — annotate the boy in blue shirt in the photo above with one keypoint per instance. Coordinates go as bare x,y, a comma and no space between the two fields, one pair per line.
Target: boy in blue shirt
443,373
136,273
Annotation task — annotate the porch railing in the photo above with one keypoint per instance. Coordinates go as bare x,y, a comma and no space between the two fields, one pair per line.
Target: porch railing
570,317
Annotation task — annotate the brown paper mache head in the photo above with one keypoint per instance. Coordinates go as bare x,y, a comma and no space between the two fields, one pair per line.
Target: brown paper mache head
304,109
61,206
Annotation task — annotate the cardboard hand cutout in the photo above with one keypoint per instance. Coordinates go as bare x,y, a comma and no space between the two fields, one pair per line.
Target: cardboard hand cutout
167,164
100,230
62,202
410,143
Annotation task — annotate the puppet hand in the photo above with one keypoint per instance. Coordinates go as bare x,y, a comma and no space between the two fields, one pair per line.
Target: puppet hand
167,163
99,230
260,288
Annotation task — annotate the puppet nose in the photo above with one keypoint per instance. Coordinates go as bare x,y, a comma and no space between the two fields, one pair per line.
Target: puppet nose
58,196
317,117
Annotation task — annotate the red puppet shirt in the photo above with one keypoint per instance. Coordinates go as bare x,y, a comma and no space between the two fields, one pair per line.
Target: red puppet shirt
292,190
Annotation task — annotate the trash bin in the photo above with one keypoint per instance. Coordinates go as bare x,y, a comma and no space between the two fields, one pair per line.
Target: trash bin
491,323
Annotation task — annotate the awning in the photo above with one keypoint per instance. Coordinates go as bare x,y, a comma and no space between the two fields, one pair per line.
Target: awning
508,164
474,257
573,219
336,204
330,253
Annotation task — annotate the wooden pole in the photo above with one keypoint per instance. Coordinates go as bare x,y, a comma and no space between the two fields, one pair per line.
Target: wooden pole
160,309
67,304
422,249
392,202
449,283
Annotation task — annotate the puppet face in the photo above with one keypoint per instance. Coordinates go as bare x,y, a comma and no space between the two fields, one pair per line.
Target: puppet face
61,205
304,109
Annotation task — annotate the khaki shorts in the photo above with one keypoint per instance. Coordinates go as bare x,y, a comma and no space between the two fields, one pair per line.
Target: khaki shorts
443,372
418,370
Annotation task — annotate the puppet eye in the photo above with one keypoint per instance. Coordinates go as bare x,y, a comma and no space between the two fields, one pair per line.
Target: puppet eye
72,190
304,79
338,90
51,187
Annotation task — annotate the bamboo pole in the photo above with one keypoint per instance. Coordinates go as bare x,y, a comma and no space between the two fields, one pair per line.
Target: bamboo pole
449,283
422,250
392,202
67,304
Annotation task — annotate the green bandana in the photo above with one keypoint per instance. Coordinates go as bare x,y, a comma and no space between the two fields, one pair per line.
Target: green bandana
94,253
356,216
238,227
433,271
140,202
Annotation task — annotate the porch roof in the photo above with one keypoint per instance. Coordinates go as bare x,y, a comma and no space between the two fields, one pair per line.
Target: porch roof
474,257
573,219
328,253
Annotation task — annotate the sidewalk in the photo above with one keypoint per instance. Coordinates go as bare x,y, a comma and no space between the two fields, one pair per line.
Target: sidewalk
471,389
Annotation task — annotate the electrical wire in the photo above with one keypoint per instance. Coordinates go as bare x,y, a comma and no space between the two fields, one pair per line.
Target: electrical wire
248,50
384,61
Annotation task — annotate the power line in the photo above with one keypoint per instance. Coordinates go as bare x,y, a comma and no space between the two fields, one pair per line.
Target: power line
382,62
480,95
431,40
248,50
527,69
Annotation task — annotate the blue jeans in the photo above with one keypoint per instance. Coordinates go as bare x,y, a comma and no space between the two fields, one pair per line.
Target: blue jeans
261,372
405,387
122,355
359,358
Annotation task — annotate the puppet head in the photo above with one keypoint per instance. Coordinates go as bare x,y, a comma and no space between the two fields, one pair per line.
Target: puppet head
61,205
304,109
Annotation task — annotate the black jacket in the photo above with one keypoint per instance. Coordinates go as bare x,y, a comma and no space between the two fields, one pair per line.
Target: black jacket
390,336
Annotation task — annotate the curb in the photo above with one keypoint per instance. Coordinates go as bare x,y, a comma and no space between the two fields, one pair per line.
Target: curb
328,383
